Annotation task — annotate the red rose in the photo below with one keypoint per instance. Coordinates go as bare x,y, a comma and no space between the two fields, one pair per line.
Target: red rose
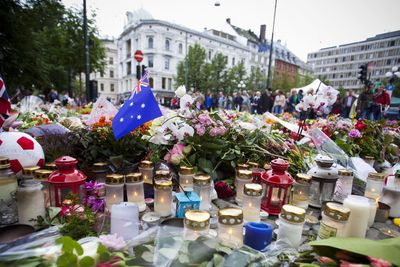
360,125
223,190
293,135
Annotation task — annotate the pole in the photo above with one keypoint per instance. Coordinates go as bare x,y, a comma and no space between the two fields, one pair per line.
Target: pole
87,60
186,63
271,50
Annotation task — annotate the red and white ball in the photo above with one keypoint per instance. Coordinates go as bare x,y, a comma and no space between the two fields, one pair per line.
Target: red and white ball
21,149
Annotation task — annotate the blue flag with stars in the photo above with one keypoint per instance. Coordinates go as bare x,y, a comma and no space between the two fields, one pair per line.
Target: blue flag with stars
138,109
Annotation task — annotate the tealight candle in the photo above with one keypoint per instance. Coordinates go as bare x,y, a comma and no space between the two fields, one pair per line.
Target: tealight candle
301,190
374,185
42,175
163,197
373,205
388,233
146,168
242,177
202,186
252,202
230,227
30,201
196,223
357,223
291,222
258,235
186,177
125,220
134,189
114,189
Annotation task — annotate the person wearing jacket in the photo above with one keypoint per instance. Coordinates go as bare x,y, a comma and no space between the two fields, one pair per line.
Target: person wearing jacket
279,103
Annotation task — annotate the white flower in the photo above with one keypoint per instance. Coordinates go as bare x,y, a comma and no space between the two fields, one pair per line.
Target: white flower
185,102
183,131
181,91
329,94
160,137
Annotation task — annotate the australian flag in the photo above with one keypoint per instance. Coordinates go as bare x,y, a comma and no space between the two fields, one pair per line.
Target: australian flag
138,109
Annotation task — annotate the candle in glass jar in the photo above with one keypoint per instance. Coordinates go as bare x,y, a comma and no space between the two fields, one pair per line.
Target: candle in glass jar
114,189
230,227
186,177
8,188
202,186
30,201
359,215
196,223
301,191
125,220
373,205
146,168
344,185
242,177
252,202
374,185
163,197
42,175
291,222
135,190
334,219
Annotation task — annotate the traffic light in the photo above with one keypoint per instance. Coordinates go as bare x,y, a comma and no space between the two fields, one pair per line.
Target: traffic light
362,73
138,76
143,69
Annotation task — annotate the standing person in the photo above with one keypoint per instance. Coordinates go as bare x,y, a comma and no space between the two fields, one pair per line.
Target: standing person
364,104
228,102
208,102
254,102
381,102
292,102
245,101
300,95
279,102
337,107
348,103
237,101
221,100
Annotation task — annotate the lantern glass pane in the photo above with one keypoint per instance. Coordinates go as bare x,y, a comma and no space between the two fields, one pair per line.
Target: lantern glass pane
276,197
63,193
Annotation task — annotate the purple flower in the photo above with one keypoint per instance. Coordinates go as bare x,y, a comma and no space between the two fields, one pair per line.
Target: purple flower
205,119
355,134
200,129
214,132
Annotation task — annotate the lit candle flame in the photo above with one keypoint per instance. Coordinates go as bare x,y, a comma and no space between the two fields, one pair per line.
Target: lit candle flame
114,196
162,200
135,194
250,205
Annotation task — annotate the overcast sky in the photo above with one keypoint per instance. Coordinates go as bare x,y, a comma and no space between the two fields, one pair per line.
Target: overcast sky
304,25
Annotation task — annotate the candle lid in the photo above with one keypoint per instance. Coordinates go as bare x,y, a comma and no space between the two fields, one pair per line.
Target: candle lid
252,190
242,166
230,216
163,184
42,174
151,217
345,172
163,174
4,163
245,174
253,165
30,170
185,170
197,219
50,166
267,166
376,176
336,211
100,164
202,179
293,214
303,178
134,177
114,179
369,158
146,164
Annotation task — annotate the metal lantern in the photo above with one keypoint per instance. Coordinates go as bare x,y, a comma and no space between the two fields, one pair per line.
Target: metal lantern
66,180
323,182
276,182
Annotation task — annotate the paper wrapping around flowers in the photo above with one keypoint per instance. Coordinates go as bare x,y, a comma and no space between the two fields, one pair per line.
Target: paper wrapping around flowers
102,107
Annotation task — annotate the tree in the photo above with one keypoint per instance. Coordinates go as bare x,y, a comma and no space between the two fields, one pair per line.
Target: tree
218,73
234,76
255,80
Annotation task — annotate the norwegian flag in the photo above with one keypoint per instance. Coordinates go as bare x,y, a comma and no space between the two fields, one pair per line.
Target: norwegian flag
5,104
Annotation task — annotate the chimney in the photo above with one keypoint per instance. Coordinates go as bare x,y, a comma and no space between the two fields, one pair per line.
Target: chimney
228,20
263,27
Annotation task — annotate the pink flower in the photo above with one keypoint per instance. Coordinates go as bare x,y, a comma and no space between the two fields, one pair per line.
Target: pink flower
205,119
375,262
354,133
201,130
349,264
113,242
214,132
221,130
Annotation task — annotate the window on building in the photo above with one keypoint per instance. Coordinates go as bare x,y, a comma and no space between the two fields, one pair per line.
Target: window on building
111,74
111,61
180,48
150,61
391,43
166,63
233,61
101,74
388,62
128,48
163,82
170,84
209,55
150,42
101,87
128,68
167,44
151,82
112,88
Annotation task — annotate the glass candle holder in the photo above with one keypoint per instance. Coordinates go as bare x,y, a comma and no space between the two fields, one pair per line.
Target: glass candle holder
146,168
202,186
162,175
42,176
196,223
291,222
373,206
357,223
242,166
135,190
114,189
374,185
30,201
242,177
186,177
252,194
163,197
8,189
100,171
28,173
230,227
344,185
301,191
334,219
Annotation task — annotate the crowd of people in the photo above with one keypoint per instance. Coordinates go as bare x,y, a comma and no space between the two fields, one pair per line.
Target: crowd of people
369,104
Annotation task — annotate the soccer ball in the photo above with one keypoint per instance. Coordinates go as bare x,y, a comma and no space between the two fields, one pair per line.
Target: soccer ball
21,149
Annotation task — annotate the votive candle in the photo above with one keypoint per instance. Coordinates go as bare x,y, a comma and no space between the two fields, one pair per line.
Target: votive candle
242,177
252,202
202,186
373,205
134,189
291,222
186,177
114,189
30,201
230,227
374,185
301,190
196,223
42,175
357,223
146,168
163,197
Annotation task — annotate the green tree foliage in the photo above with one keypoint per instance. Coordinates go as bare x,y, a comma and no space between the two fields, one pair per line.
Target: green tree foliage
40,41
256,80
235,74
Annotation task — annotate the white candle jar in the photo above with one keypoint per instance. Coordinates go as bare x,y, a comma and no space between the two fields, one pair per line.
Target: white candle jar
374,185
301,191
8,189
373,206
291,222
344,185
146,168
163,197
135,190
114,189
242,177
202,186
357,223
100,171
334,219
196,223
28,173
186,177
230,227
252,194
30,201
42,176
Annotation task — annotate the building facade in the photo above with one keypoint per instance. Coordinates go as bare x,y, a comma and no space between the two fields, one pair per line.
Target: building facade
340,64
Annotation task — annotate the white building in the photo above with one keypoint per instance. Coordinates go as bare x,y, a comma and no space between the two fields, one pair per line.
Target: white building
340,64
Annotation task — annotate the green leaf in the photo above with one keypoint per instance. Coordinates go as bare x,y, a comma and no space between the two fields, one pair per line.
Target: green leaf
205,165
69,245
218,260
67,260
53,212
86,261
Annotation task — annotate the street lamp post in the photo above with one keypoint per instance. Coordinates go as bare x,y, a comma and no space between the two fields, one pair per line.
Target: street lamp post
87,59
271,50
